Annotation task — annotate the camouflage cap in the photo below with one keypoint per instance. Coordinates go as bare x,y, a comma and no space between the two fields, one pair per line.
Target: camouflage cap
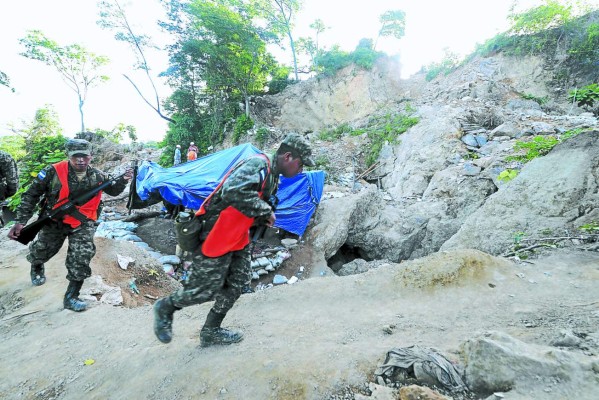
78,146
301,146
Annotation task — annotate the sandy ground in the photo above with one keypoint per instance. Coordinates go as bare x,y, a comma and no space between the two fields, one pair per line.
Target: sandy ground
310,340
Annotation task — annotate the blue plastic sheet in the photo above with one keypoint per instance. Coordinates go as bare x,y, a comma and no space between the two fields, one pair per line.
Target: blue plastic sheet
188,184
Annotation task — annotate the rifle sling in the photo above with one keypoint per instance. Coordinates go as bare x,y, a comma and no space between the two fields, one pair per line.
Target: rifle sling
78,215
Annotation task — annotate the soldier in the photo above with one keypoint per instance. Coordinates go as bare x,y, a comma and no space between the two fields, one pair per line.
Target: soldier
9,178
55,182
221,265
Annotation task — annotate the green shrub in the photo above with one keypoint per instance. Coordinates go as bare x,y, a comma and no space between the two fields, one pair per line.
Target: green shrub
585,96
242,125
386,129
261,136
449,63
507,175
539,100
333,134
539,145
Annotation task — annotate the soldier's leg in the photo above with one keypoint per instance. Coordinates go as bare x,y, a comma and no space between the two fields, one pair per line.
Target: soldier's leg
206,277
44,247
239,276
79,255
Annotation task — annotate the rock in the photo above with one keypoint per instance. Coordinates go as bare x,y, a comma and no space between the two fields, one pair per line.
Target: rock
498,362
566,339
124,262
415,392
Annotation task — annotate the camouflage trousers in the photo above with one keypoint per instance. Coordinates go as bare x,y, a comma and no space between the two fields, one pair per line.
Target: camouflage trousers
79,254
220,279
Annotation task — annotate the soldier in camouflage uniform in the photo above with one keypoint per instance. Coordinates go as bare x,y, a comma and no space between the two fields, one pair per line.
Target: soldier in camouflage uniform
222,277
9,178
79,227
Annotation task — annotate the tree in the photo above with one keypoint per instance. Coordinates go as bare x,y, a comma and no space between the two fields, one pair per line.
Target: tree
113,16
393,24
77,67
310,46
279,15
5,81
229,52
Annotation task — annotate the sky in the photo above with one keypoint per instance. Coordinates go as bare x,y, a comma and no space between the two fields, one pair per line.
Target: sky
431,26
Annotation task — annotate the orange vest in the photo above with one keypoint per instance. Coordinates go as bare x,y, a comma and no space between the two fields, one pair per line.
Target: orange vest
231,232
89,209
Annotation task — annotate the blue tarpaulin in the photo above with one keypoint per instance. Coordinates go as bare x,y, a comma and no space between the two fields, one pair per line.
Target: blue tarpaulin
190,183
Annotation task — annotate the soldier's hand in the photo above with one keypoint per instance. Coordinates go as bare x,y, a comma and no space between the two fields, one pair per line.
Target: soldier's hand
271,220
15,231
128,174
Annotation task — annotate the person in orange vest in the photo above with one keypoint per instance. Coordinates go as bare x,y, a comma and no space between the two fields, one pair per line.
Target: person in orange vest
221,264
55,182
192,152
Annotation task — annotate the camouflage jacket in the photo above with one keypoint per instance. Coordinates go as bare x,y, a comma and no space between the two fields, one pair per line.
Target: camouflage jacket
47,184
241,188
9,176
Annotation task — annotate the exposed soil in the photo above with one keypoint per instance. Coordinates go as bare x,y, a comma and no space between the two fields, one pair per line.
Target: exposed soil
321,338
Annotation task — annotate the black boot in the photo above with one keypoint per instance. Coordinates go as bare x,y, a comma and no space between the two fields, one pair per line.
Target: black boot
38,276
71,297
163,319
212,333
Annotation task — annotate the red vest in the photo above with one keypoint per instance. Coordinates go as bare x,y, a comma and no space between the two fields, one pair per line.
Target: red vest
89,209
231,230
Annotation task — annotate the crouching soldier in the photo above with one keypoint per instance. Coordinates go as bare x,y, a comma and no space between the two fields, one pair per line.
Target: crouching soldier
55,182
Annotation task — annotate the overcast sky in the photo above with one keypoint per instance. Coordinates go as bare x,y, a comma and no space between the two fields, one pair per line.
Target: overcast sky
431,26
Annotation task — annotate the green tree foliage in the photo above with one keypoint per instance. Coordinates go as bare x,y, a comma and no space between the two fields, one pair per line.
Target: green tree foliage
393,23
5,81
333,60
78,68
114,17
45,123
13,145
218,61
41,151
548,31
279,14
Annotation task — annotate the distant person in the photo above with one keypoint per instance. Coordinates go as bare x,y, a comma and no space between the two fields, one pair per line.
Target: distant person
9,179
192,152
177,159
221,265
55,182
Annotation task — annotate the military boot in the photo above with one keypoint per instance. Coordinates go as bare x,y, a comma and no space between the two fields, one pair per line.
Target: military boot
71,297
212,334
163,319
38,276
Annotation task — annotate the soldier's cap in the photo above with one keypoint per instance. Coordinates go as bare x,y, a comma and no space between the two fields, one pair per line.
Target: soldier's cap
301,146
78,146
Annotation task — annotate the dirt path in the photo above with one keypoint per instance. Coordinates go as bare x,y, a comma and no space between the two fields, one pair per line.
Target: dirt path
303,341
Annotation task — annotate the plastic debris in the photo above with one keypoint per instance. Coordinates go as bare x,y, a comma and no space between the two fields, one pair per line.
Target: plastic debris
89,361
133,286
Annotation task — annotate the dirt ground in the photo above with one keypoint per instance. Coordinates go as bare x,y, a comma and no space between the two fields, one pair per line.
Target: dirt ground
321,338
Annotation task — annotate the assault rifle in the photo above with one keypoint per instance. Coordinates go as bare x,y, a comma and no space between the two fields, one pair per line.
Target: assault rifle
64,208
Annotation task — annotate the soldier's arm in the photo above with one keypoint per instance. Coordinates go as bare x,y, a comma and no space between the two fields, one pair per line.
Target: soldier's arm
9,168
241,188
31,197
115,189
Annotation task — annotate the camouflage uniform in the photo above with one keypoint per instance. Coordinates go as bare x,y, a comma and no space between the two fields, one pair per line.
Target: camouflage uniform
9,176
51,238
223,278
